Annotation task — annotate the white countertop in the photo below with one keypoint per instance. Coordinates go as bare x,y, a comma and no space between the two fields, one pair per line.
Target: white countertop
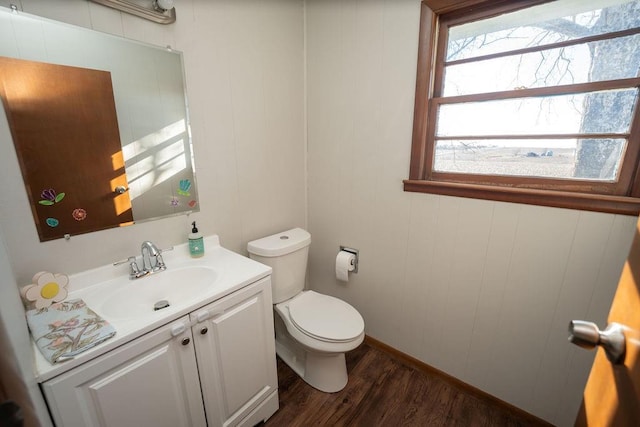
234,271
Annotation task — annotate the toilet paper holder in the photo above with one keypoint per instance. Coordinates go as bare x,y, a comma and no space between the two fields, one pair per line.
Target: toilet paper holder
356,253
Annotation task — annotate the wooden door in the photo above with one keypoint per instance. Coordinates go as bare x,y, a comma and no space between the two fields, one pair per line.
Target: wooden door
152,381
65,130
236,355
612,394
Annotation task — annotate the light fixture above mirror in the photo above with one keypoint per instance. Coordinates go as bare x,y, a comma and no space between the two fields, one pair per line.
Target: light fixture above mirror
160,11
162,5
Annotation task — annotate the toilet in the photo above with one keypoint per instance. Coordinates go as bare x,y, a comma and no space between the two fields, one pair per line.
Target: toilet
313,331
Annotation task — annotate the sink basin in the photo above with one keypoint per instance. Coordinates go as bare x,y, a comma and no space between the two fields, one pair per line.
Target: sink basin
176,286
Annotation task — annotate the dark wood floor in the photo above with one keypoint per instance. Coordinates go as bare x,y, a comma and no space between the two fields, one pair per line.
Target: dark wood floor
384,391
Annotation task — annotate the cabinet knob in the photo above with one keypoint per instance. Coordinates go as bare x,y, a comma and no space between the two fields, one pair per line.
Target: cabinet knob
204,330
186,341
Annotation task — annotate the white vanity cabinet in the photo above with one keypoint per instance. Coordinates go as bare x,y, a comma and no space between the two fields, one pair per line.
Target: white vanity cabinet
152,381
235,348
219,360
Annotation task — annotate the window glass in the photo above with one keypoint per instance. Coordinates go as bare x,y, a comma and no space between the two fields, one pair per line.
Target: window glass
609,112
551,158
490,119
544,68
550,23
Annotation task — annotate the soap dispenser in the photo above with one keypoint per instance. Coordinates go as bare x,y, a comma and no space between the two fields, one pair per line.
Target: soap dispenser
196,242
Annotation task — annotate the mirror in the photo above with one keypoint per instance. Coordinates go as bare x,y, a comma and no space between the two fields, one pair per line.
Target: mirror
151,111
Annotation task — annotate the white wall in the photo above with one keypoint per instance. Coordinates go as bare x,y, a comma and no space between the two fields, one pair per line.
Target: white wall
17,356
481,290
245,82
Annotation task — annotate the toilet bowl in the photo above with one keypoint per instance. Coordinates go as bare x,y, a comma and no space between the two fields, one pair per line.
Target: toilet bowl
313,330
322,328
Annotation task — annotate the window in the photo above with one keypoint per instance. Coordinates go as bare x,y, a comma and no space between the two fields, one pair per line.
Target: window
530,101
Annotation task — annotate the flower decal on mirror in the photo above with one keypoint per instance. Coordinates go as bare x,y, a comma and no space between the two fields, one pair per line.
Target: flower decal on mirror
52,222
79,214
185,186
50,197
46,289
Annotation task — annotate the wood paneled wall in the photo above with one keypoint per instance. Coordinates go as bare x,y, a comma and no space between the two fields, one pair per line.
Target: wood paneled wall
481,290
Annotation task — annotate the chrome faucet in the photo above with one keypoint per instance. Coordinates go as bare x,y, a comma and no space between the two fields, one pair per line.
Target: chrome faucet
149,251
151,261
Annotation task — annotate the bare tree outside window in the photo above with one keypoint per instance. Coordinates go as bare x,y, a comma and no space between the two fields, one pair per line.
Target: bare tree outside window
531,102
542,55
595,158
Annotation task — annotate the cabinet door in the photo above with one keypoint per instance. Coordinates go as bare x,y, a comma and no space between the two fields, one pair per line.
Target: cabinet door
235,349
152,381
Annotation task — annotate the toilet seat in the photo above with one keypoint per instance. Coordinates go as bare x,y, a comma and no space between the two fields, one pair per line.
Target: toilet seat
325,318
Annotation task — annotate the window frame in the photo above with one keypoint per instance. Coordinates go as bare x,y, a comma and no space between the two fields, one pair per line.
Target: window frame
621,197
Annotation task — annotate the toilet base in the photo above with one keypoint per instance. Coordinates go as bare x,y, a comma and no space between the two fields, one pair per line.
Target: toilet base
326,372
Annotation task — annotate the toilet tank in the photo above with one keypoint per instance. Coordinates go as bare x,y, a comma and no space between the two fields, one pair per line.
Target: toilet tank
286,253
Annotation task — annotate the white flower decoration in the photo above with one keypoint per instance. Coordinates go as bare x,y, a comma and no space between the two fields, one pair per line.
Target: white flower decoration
46,289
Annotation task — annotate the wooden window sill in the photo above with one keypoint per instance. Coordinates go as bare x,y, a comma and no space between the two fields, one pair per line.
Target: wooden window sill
558,199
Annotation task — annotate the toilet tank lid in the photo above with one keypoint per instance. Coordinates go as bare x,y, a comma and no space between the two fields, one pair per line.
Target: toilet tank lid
281,243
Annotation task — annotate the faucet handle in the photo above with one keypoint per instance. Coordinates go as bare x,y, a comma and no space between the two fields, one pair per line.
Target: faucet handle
134,270
131,259
160,265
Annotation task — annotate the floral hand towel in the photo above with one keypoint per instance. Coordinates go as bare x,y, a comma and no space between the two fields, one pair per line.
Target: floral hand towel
65,329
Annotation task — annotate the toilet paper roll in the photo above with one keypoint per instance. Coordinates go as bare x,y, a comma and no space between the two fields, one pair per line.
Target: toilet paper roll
345,262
